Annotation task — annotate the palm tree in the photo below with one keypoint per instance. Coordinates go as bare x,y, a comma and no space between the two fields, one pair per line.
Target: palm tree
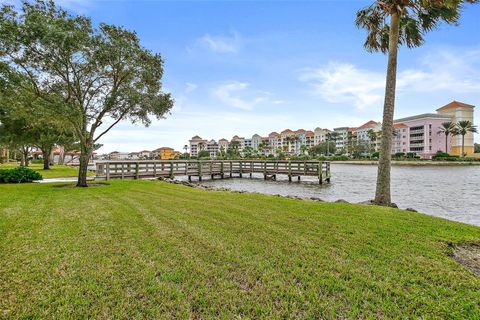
447,128
391,23
462,128
372,137
303,149
328,138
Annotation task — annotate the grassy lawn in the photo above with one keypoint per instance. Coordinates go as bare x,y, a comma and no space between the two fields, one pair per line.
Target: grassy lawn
148,249
56,171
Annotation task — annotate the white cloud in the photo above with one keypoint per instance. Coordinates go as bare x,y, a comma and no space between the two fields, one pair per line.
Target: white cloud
190,87
238,95
444,71
221,44
343,82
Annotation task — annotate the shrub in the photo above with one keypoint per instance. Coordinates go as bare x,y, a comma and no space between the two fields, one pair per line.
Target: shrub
375,155
19,175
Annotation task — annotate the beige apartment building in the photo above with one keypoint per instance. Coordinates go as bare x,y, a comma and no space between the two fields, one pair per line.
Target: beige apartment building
459,111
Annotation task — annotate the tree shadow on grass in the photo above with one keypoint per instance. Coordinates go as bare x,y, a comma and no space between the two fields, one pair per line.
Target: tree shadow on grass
74,185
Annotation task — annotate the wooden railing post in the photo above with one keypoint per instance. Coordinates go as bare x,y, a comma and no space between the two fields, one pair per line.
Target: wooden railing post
199,171
171,169
107,173
137,169
320,172
289,171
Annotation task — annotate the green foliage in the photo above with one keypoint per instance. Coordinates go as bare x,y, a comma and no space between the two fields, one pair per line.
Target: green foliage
477,148
417,17
375,155
108,74
203,155
442,156
19,175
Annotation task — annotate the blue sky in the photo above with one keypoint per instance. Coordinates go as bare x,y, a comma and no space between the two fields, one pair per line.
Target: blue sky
245,67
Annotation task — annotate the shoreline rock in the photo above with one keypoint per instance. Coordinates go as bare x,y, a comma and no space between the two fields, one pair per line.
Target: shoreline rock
210,188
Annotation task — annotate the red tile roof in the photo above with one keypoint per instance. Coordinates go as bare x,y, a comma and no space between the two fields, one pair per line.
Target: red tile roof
196,138
300,131
368,124
273,133
400,125
287,131
454,104
310,133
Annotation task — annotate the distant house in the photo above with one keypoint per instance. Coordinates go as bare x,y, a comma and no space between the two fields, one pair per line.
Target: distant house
163,153
116,155
133,155
197,144
145,154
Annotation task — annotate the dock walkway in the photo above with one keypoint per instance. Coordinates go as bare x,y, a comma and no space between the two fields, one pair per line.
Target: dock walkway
128,169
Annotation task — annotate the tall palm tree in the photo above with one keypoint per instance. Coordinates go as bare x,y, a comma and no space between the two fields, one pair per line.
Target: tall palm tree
328,138
391,23
447,128
462,128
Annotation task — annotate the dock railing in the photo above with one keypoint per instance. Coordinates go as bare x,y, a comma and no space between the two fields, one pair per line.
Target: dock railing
141,169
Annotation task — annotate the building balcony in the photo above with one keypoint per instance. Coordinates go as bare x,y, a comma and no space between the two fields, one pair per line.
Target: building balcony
417,131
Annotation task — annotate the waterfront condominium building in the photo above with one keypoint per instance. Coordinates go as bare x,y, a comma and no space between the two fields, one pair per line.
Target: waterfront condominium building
459,111
320,135
197,144
287,138
418,134
240,141
256,141
274,142
341,137
212,148
223,145
401,138
309,139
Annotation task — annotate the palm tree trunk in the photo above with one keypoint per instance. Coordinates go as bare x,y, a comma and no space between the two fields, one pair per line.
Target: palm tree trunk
382,194
446,143
463,145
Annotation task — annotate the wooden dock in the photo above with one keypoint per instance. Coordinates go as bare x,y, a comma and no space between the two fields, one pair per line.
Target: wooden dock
270,169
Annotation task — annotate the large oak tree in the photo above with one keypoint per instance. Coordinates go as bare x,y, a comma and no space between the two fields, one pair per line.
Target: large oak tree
102,74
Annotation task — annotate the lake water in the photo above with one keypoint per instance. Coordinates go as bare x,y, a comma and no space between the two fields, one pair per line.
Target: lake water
448,192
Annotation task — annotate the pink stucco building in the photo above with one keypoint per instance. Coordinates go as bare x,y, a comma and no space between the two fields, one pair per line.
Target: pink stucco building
420,134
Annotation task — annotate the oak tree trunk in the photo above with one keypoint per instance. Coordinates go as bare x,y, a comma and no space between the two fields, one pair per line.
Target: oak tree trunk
46,158
382,194
86,150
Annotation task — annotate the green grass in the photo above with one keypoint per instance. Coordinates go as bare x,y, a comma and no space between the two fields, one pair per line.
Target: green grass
56,171
148,249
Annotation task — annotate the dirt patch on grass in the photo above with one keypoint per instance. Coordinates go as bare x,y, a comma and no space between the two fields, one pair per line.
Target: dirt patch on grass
73,185
468,255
